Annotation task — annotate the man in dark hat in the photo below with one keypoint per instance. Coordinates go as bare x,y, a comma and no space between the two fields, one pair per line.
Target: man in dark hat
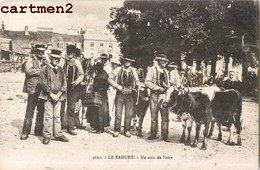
157,79
124,80
33,88
75,76
54,86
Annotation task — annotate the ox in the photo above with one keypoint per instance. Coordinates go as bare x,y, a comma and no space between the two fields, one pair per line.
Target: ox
197,104
226,109
140,107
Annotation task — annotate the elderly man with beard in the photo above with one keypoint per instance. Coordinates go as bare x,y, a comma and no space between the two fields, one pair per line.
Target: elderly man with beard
54,85
157,80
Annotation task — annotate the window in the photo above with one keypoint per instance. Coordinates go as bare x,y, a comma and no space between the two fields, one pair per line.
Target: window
110,45
92,44
60,45
101,44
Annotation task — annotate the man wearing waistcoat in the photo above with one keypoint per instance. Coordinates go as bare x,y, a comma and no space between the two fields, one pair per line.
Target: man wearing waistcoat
75,76
157,80
124,79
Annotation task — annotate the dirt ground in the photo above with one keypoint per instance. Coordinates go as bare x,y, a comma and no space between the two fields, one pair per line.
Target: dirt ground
101,151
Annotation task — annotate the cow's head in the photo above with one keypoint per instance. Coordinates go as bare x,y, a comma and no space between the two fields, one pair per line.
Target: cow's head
144,96
171,98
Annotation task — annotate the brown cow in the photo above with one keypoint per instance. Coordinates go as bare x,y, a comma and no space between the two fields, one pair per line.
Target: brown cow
226,109
197,104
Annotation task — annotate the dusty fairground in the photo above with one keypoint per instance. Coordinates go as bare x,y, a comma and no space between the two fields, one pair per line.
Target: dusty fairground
101,151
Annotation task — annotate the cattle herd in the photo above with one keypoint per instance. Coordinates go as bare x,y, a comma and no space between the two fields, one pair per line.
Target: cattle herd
204,105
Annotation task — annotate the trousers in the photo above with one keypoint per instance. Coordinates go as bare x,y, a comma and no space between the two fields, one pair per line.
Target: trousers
32,102
122,100
52,123
156,101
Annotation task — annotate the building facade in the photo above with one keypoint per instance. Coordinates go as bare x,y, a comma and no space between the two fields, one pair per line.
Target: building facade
96,43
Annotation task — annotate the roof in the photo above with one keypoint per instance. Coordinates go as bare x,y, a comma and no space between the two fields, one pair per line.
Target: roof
67,38
97,35
4,48
23,40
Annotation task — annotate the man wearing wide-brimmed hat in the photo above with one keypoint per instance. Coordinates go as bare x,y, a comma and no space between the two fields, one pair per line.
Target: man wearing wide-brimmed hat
157,80
33,88
54,86
124,80
75,76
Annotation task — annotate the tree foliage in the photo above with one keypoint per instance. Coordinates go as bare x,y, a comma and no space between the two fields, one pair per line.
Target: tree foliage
199,30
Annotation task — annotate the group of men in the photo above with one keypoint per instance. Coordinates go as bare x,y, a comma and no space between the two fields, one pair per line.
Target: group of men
52,85
49,82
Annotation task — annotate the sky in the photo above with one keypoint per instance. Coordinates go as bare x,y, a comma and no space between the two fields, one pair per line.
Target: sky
86,14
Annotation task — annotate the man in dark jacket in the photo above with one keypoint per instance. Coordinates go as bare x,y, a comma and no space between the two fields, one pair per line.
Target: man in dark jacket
33,88
75,76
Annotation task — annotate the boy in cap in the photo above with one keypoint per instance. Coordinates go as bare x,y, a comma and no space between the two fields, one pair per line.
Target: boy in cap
54,85
157,79
124,79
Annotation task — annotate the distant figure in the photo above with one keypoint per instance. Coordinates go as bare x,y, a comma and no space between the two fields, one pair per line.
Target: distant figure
232,82
175,78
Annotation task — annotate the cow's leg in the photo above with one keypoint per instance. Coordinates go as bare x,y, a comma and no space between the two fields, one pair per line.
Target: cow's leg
238,126
189,128
196,139
212,125
230,141
183,136
140,125
219,132
205,133
134,124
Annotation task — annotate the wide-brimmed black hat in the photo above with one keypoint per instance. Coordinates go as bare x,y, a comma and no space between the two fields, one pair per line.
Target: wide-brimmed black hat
40,47
130,59
162,57
103,56
71,49
55,53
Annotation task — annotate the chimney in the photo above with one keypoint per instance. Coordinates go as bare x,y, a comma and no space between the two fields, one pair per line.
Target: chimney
2,26
26,30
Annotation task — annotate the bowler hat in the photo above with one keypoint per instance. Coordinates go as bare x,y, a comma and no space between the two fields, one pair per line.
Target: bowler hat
55,53
162,57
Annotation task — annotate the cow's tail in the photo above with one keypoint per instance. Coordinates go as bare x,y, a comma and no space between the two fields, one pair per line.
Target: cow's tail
239,113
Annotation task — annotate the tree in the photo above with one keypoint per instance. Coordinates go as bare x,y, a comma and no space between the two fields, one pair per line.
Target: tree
199,30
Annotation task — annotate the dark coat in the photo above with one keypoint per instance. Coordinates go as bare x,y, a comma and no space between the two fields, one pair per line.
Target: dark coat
32,76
